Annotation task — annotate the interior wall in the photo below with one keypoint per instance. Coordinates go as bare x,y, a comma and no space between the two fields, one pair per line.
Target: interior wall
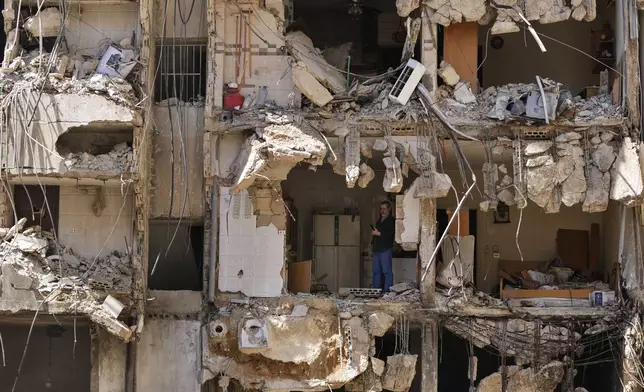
192,119
88,27
87,233
180,268
520,59
537,236
268,66
66,365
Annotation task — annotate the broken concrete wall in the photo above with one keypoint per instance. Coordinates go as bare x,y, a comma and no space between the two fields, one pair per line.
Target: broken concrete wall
269,67
336,351
192,119
251,258
56,114
178,356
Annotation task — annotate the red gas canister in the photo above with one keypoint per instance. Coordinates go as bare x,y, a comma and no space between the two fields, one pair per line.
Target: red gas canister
232,97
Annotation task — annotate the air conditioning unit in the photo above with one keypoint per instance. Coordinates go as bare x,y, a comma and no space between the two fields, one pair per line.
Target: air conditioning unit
407,82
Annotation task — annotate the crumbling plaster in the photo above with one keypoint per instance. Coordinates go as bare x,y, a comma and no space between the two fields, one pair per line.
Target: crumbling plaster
192,119
54,115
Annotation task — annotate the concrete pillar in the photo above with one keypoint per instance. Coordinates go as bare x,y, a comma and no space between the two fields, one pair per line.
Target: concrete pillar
6,208
429,381
429,52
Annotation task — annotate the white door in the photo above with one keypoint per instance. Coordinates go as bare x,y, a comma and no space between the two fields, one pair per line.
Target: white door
349,230
324,230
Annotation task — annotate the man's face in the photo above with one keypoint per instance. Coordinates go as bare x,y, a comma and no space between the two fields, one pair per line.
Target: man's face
384,210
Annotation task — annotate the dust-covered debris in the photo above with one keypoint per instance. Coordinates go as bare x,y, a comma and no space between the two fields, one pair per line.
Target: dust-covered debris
513,102
34,270
119,160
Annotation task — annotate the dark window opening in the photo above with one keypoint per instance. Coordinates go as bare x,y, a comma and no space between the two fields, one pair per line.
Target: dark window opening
178,264
182,72
30,203
50,364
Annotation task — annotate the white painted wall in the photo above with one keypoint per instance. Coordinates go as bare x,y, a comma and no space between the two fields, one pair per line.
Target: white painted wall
169,356
250,258
86,233
192,119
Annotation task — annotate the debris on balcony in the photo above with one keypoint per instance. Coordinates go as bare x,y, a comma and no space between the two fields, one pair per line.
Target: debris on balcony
59,71
119,160
523,103
32,272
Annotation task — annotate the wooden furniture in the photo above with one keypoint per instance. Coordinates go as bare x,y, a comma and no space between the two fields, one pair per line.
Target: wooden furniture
514,267
299,277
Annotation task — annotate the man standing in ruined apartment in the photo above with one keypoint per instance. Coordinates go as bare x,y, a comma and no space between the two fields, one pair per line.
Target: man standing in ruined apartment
382,244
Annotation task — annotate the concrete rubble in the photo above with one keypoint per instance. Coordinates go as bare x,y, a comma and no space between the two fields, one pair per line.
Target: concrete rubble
34,272
513,102
119,160
525,380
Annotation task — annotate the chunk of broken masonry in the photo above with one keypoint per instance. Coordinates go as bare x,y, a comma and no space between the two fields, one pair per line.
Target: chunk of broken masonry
448,74
399,372
432,185
627,185
379,323
366,175
310,87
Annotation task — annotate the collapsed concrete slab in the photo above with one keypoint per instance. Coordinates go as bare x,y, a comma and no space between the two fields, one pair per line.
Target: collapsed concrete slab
301,48
399,372
273,151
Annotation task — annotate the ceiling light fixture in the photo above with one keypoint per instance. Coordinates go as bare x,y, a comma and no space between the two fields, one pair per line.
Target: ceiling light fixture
355,9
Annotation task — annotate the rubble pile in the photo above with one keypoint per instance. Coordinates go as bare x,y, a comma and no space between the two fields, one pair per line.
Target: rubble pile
523,102
34,257
25,72
119,160
113,271
68,72
28,276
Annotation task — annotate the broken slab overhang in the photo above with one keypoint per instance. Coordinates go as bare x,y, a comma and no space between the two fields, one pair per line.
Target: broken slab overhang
33,150
29,282
446,12
270,153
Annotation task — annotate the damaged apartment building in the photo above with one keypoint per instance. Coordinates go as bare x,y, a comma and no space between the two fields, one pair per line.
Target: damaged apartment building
188,189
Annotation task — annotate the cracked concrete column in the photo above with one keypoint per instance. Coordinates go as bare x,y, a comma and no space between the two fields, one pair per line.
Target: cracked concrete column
429,51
